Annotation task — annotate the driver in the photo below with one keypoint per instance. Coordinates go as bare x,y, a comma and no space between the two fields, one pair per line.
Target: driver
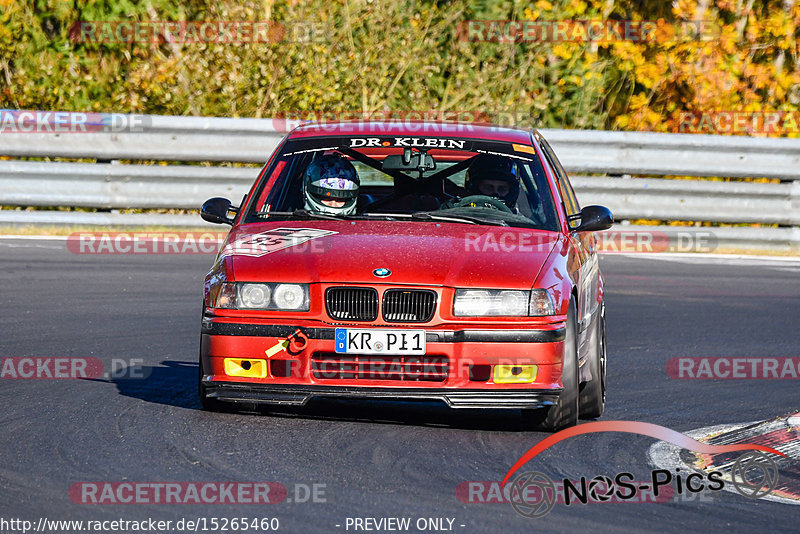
330,185
493,176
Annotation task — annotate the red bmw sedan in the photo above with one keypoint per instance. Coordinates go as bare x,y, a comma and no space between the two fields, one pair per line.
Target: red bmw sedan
430,261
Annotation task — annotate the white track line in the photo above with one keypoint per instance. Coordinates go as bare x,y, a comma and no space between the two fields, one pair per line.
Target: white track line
36,237
698,257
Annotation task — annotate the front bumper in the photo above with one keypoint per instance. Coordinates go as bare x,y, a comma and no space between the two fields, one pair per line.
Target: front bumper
465,349
299,395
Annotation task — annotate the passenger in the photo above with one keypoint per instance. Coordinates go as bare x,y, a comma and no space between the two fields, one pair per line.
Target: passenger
493,176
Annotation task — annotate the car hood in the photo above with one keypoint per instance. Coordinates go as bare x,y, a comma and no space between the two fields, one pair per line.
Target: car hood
428,253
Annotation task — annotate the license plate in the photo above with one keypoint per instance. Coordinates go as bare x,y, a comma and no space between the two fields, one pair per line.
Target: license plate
356,341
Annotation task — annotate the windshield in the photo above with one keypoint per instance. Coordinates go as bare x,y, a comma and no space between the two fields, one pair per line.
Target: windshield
462,181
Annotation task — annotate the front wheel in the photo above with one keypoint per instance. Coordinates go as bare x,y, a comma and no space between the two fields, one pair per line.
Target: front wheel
208,404
593,393
211,404
565,412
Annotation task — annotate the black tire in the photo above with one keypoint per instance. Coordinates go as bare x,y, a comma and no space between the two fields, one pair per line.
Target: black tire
208,404
593,393
214,405
565,412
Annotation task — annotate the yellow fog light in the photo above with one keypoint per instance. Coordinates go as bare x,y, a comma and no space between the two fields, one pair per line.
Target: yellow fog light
514,374
246,368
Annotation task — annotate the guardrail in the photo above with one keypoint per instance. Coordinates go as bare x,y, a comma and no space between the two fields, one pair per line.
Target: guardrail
663,154
693,200
111,186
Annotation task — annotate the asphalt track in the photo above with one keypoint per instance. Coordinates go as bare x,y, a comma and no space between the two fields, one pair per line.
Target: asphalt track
376,460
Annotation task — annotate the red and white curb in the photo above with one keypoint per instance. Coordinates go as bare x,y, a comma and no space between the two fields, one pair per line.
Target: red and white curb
781,433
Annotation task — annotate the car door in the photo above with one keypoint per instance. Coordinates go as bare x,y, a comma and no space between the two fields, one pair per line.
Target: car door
585,245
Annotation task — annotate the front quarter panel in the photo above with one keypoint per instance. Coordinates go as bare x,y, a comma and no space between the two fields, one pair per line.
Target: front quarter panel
221,271
560,273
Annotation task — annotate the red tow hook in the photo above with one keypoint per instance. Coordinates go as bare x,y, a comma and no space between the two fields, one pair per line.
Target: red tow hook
297,342
293,344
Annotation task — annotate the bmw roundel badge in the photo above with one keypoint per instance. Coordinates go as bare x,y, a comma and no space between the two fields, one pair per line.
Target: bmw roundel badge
382,272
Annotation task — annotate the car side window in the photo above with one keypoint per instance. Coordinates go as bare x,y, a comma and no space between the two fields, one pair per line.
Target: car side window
564,187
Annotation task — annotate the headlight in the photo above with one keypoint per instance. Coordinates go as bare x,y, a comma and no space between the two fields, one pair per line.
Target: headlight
289,296
257,296
502,302
254,295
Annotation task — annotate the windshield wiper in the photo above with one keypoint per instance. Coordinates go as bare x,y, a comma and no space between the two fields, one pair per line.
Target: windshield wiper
417,216
381,215
300,214
420,216
428,216
305,214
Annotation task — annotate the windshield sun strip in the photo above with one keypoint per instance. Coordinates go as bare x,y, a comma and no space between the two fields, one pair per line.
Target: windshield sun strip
311,150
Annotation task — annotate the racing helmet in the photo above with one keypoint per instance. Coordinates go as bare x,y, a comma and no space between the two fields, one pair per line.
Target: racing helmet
331,179
492,167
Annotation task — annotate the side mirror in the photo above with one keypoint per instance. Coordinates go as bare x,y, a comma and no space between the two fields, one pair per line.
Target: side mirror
215,210
594,219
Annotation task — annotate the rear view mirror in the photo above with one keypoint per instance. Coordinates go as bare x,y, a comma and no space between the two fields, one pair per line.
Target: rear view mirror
410,162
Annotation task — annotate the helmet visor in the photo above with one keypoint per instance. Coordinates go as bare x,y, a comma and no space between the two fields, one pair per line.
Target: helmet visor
340,189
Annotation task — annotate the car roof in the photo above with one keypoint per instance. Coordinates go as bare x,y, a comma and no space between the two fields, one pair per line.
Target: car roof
464,130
